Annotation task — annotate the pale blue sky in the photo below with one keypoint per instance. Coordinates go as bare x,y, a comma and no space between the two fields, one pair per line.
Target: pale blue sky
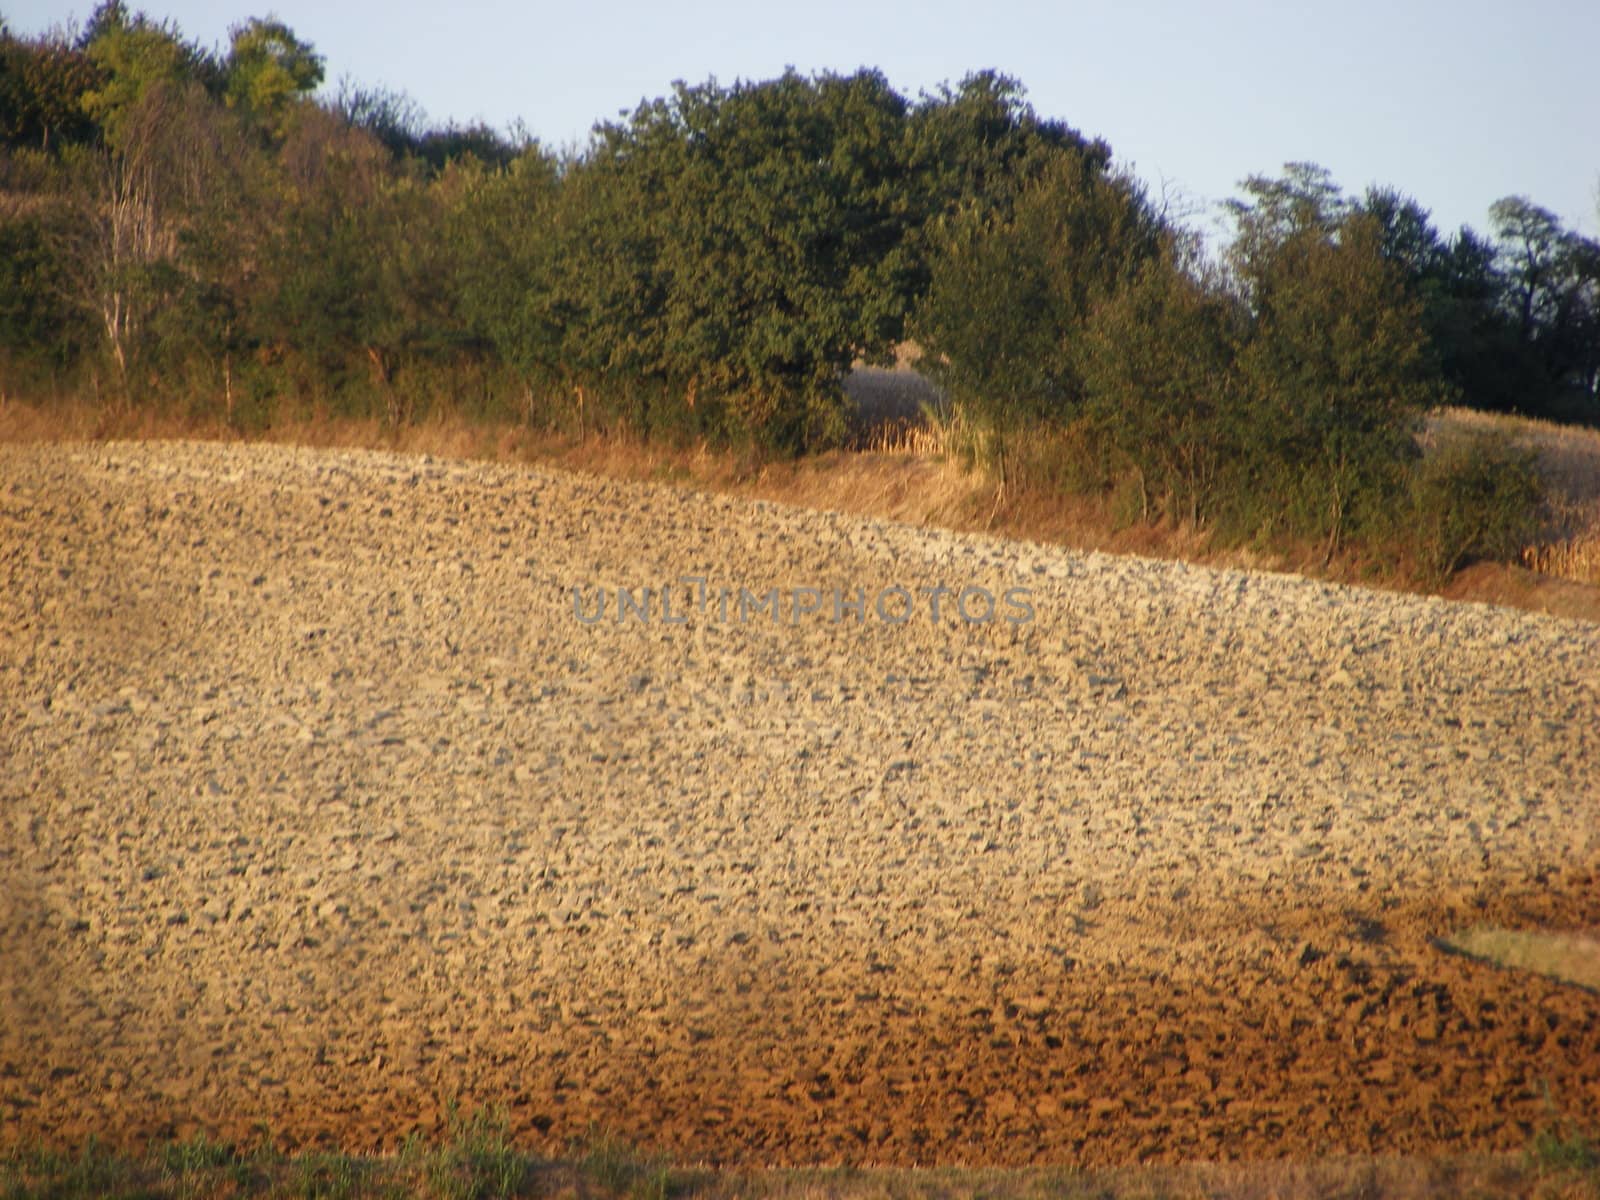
1457,102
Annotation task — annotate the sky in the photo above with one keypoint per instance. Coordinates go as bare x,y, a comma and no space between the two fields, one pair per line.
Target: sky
1455,102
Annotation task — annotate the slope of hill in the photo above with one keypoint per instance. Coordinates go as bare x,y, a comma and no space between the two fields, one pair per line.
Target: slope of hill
322,803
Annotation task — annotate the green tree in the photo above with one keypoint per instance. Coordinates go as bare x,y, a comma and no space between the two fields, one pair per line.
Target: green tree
359,280
981,142
1011,291
1304,201
1551,294
1162,388
1480,351
1337,370
268,70
133,56
505,272
714,263
779,226
43,83
131,190
1474,342
42,330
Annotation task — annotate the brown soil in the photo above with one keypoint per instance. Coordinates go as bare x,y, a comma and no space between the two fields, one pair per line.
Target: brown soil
320,807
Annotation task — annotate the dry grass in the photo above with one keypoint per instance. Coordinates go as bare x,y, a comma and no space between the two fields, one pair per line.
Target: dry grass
897,412
1576,558
904,436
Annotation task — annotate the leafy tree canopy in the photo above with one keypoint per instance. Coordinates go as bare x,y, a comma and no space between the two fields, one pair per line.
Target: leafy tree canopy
268,69
134,55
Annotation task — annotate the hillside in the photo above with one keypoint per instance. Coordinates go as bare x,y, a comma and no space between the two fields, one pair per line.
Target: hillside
321,806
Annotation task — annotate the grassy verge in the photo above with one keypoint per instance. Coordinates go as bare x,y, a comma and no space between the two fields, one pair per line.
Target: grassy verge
475,1161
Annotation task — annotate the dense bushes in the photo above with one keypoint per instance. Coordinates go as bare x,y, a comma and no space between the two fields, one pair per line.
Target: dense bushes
42,333
713,265
709,267
182,225
1334,374
1474,498
1282,397
1165,401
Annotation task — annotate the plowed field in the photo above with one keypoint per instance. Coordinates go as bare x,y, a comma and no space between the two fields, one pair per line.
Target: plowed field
322,803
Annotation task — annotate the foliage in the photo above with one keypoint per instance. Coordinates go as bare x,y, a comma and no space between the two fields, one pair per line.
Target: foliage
981,142
133,56
388,114
399,122
1012,289
354,283
766,231
1303,206
1551,297
710,267
42,88
269,68
713,265
1514,322
40,328
1335,368
1475,499
1163,393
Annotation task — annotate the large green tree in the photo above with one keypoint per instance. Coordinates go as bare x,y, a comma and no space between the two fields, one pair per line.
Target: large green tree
1551,295
43,82
1162,389
1337,366
1012,287
779,226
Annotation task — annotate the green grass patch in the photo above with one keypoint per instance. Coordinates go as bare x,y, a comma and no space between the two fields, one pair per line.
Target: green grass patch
474,1159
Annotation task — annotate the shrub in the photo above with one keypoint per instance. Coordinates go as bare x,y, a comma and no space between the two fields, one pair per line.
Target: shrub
1563,1147
1476,497
41,331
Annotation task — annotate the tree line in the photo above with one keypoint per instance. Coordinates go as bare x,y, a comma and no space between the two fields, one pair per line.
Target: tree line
183,225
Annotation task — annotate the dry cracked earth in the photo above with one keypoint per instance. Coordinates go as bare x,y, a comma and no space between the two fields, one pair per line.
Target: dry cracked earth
320,806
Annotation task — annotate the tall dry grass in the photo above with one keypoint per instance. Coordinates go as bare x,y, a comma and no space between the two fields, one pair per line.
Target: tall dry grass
1576,558
897,411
